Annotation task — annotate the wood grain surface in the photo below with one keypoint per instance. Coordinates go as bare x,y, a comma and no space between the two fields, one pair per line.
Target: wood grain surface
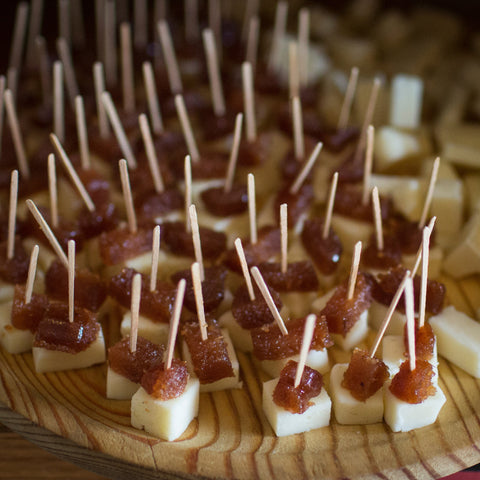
67,413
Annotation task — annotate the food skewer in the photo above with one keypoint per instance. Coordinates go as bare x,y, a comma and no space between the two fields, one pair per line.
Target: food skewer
64,21
173,72
32,270
306,341
65,56
252,211
44,69
197,288
192,26
245,270
19,34
348,99
110,43
298,137
2,108
303,174
58,101
303,44
197,246
377,215
177,310
155,256
429,196
71,280
279,30
188,190
82,133
127,196
367,168
34,27
424,278
352,279
232,162
128,81
140,28
329,208
151,153
249,101
52,188
135,309
216,88
12,214
187,128
252,42
152,98
99,83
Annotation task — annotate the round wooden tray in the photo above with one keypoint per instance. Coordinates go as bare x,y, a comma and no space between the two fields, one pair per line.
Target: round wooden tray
69,415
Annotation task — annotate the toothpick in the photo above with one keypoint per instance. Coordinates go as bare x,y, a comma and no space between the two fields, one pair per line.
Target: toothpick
78,26
197,245
372,102
216,88
16,134
152,98
298,138
72,173
12,82
409,312
429,197
64,20
173,71
186,128
257,276
2,103
100,29
244,265
252,42
32,269
293,70
197,289
128,85
110,43
44,69
377,214
303,44
140,29
192,27
127,196
251,10
306,342
135,310
367,168
34,27
249,101
160,10
306,169
232,162
348,99
423,285
388,316
65,56
12,214
252,209
329,210
151,153
155,255
279,30
82,133
174,321
99,82
418,257
352,280
19,32
215,21
188,190
58,101
52,189
284,236
118,130
47,231
71,280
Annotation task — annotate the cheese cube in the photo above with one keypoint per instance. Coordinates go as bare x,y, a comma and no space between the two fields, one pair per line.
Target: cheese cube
348,410
166,419
284,422
406,101
377,314
350,231
460,144
355,335
458,338
156,332
13,340
240,336
435,259
120,387
316,359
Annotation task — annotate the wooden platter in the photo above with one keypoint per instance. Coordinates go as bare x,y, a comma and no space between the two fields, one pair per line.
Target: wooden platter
68,414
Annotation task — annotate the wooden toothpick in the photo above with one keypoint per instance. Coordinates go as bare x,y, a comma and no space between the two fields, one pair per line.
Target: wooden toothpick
329,209
47,231
173,71
418,257
348,99
252,209
34,28
423,286
429,196
118,130
303,44
99,83
127,196
71,281
377,215
152,98
367,168
64,21
151,153
293,70
252,42
284,236
174,321
244,265
58,101
197,245
410,314
65,56
296,185
298,138
12,214
19,33
388,316
110,43
352,279
155,255
232,163
306,342
197,289
128,82
72,173
257,276
44,70
192,26
52,189
32,270
188,190
186,128
135,310
279,30
140,13
249,101
82,133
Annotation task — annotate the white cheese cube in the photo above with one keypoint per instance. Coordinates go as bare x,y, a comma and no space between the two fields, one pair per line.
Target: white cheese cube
406,101
54,361
284,422
355,335
166,419
6,292
12,339
435,259
377,314
241,338
156,332
316,359
299,304
350,231
401,416
120,387
460,144
348,410
458,339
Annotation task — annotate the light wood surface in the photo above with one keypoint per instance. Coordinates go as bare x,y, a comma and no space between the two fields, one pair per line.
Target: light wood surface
232,438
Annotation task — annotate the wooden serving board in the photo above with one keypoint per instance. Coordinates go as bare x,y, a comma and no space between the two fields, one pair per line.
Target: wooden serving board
68,414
